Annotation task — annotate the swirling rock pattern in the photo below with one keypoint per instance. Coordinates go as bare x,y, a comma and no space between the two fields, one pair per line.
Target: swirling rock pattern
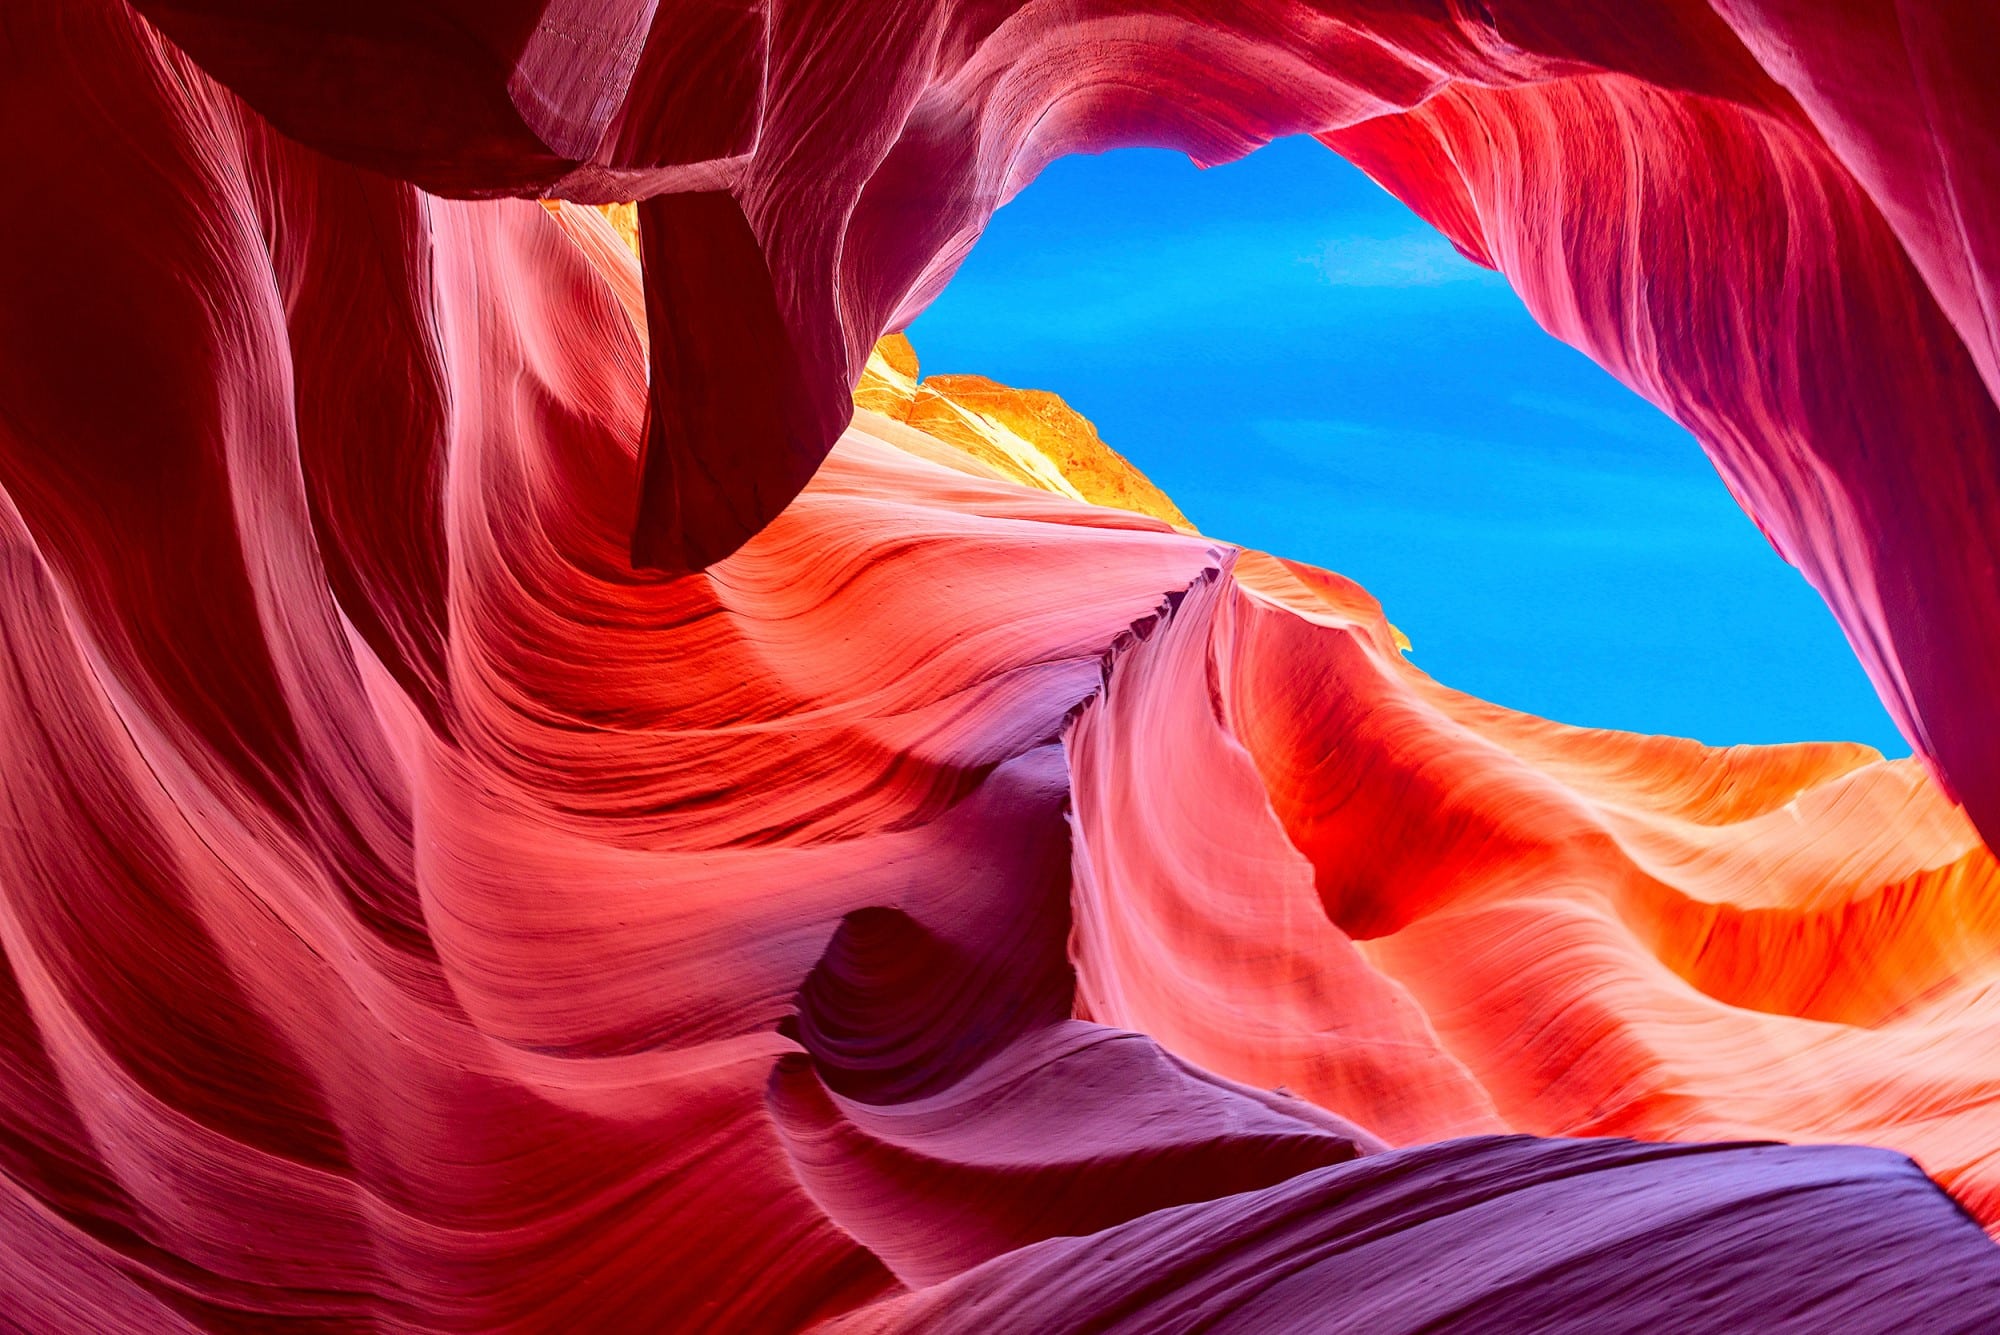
1440,917
428,903
1773,218
1658,1238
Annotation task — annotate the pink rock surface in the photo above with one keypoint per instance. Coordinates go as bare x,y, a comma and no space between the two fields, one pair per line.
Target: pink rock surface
417,914
1773,218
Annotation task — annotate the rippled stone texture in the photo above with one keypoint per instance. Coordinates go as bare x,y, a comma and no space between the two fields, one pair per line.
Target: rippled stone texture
1775,219
955,905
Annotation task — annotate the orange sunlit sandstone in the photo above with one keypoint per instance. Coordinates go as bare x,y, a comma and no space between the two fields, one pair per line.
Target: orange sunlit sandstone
1025,435
550,793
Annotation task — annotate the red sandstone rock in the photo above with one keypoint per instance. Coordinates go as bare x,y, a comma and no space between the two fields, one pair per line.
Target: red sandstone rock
414,915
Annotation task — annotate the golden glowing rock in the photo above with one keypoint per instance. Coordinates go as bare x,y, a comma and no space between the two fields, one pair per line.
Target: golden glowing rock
1025,435
624,220
1028,436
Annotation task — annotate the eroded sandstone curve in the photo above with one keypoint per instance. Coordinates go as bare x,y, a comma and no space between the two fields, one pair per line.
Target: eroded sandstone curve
1775,219
958,904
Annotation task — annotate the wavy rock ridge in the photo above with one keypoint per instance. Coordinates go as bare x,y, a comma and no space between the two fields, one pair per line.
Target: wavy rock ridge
1773,218
956,905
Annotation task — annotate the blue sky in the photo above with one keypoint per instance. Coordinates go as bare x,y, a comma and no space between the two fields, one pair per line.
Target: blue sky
1307,368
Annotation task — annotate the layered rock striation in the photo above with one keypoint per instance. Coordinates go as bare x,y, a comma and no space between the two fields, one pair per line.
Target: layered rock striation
524,809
